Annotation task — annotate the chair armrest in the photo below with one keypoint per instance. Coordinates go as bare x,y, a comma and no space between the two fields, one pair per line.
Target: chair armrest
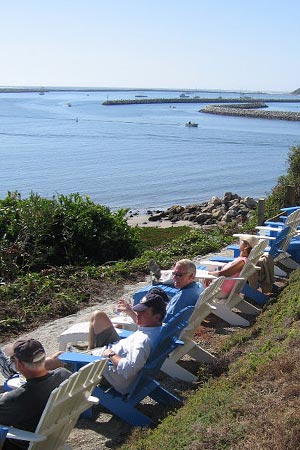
94,400
208,262
21,435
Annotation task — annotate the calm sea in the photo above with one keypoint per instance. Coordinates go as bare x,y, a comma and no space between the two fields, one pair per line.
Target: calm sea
137,156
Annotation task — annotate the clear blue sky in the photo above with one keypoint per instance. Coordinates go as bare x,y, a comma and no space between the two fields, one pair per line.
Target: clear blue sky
191,44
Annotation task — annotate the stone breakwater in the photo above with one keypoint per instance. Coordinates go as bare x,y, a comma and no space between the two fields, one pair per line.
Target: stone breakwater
239,110
197,100
216,211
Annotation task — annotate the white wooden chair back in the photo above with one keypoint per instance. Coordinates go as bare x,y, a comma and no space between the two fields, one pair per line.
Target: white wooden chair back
64,407
293,221
257,251
202,308
249,269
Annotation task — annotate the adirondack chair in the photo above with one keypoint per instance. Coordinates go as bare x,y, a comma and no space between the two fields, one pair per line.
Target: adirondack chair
3,433
145,384
63,409
235,300
257,251
202,309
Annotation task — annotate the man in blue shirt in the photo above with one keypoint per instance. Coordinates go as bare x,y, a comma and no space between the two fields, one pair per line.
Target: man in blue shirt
184,274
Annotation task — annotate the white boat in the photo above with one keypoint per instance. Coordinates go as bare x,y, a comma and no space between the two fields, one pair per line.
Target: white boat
191,124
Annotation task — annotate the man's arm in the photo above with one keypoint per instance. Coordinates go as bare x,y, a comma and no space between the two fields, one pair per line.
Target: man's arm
6,366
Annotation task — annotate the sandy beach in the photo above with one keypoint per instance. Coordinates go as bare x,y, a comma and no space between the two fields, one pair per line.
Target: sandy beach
142,220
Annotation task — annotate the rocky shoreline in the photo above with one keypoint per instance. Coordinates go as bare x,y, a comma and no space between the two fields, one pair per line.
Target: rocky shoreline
216,211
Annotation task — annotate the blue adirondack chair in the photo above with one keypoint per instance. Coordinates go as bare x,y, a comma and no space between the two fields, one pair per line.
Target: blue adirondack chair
145,383
3,433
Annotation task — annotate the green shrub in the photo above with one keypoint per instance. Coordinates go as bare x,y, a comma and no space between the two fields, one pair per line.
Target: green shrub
38,232
276,199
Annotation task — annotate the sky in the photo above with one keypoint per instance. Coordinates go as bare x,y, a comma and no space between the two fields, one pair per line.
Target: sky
244,45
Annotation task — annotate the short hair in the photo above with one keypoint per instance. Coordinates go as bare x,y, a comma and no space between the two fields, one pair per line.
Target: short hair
35,365
158,311
190,266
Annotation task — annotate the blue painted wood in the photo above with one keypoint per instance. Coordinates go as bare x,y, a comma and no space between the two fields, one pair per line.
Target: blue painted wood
3,433
145,384
169,290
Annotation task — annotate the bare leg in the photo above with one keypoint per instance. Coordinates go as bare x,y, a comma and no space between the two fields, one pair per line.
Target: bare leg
98,323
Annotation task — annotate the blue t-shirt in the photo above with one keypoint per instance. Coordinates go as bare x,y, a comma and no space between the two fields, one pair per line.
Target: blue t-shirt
186,296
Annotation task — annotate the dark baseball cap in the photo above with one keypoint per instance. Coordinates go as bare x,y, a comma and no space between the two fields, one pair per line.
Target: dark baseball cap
151,300
29,350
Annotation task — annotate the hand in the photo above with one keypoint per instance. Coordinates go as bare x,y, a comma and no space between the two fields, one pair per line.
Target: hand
123,306
206,282
106,352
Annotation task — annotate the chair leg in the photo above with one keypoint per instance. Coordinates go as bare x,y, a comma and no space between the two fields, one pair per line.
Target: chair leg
201,355
121,408
172,369
164,397
230,317
247,308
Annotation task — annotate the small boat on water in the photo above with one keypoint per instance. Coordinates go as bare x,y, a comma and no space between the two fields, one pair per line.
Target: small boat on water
191,124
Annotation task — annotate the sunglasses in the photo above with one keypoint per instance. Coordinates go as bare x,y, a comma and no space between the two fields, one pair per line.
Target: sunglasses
179,274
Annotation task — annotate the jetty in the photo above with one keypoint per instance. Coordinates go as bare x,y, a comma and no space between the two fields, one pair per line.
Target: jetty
250,111
242,106
149,101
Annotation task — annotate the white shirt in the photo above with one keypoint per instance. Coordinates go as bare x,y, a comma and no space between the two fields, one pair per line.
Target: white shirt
134,352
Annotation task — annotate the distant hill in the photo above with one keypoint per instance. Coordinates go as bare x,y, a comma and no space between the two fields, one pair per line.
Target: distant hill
296,92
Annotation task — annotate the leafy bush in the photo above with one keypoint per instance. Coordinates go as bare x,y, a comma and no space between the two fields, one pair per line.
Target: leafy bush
276,199
38,232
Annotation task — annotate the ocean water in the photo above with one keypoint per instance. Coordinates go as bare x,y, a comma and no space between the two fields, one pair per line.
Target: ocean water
137,156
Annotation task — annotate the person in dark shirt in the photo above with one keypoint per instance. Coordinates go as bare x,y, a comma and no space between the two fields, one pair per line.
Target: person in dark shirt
23,407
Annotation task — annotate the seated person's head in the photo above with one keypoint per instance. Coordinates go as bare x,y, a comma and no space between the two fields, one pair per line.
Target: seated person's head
151,310
247,242
29,354
184,273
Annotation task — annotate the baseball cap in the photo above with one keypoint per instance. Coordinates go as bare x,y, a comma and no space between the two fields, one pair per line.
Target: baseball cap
151,300
28,350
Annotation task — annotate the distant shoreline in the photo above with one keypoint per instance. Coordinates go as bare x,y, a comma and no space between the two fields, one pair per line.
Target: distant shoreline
45,89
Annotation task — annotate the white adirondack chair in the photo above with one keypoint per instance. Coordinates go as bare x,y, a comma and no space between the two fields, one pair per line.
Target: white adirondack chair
203,308
223,307
63,409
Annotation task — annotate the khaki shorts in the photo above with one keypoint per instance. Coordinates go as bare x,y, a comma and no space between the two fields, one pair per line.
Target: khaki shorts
106,337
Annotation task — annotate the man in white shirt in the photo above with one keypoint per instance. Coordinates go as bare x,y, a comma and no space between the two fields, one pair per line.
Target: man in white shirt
129,355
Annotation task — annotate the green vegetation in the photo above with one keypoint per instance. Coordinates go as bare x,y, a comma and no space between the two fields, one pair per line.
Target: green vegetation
35,297
276,199
255,403
38,233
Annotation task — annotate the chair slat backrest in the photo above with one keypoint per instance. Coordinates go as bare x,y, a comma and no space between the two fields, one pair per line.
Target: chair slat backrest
281,242
65,405
248,270
292,222
257,251
202,308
